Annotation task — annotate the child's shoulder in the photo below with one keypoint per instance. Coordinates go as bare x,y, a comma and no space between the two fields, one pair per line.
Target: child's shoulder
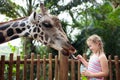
102,56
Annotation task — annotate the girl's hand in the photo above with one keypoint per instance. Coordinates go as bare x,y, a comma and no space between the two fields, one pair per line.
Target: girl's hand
87,73
79,57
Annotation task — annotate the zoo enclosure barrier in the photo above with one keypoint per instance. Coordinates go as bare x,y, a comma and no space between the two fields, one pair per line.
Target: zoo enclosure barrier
47,69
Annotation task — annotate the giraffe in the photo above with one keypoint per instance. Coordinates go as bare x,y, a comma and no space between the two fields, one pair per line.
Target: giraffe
43,27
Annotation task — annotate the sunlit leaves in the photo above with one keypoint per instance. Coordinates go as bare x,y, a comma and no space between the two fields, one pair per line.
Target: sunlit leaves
9,8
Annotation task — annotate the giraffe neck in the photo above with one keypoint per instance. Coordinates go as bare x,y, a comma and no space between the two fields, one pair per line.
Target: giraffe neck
13,29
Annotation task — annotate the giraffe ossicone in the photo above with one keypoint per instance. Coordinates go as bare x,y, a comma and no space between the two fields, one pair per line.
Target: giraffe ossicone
42,27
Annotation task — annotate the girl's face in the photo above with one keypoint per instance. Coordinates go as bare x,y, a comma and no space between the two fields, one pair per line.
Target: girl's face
94,47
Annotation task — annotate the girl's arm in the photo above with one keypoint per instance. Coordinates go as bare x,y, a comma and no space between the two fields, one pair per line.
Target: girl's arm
85,63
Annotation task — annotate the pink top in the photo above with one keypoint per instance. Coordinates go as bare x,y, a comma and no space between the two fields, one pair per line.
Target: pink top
94,66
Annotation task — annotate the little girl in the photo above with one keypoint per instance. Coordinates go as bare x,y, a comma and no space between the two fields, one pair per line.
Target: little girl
97,67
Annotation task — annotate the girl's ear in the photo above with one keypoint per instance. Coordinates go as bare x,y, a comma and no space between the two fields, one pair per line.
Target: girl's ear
33,18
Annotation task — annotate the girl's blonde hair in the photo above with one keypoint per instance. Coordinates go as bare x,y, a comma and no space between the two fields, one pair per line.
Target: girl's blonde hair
96,39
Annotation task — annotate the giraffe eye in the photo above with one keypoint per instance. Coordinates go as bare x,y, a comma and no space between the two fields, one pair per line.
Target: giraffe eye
46,24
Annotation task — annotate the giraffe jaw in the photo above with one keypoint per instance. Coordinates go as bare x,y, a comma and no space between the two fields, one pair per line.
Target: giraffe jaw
68,51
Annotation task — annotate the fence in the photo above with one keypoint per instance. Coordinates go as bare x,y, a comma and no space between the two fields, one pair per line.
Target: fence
47,69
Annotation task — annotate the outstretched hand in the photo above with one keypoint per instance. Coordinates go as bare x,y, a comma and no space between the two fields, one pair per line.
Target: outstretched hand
79,57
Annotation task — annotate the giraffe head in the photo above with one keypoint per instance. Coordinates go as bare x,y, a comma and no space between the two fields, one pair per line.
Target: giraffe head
48,30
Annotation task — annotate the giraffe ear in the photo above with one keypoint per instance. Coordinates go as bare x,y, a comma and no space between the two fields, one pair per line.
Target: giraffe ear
43,9
33,17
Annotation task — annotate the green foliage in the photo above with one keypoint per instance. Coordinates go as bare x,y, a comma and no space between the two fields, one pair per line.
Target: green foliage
106,8
108,26
9,8
56,8
102,19
13,48
113,18
42,50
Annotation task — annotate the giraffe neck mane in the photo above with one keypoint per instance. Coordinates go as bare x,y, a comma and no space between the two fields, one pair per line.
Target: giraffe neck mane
1,23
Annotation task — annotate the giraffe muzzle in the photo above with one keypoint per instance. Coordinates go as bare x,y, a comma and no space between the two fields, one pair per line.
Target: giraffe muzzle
68,50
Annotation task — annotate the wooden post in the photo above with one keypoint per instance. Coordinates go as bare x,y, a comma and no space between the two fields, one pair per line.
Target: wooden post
18,68
44,67
38,67
10,67
110,68
72,70
117,67
2,68
63,71
79,75
25,68
56,68
32,67
50,67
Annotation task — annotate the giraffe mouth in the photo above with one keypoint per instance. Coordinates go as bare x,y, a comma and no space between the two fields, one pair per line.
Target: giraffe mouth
68,51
